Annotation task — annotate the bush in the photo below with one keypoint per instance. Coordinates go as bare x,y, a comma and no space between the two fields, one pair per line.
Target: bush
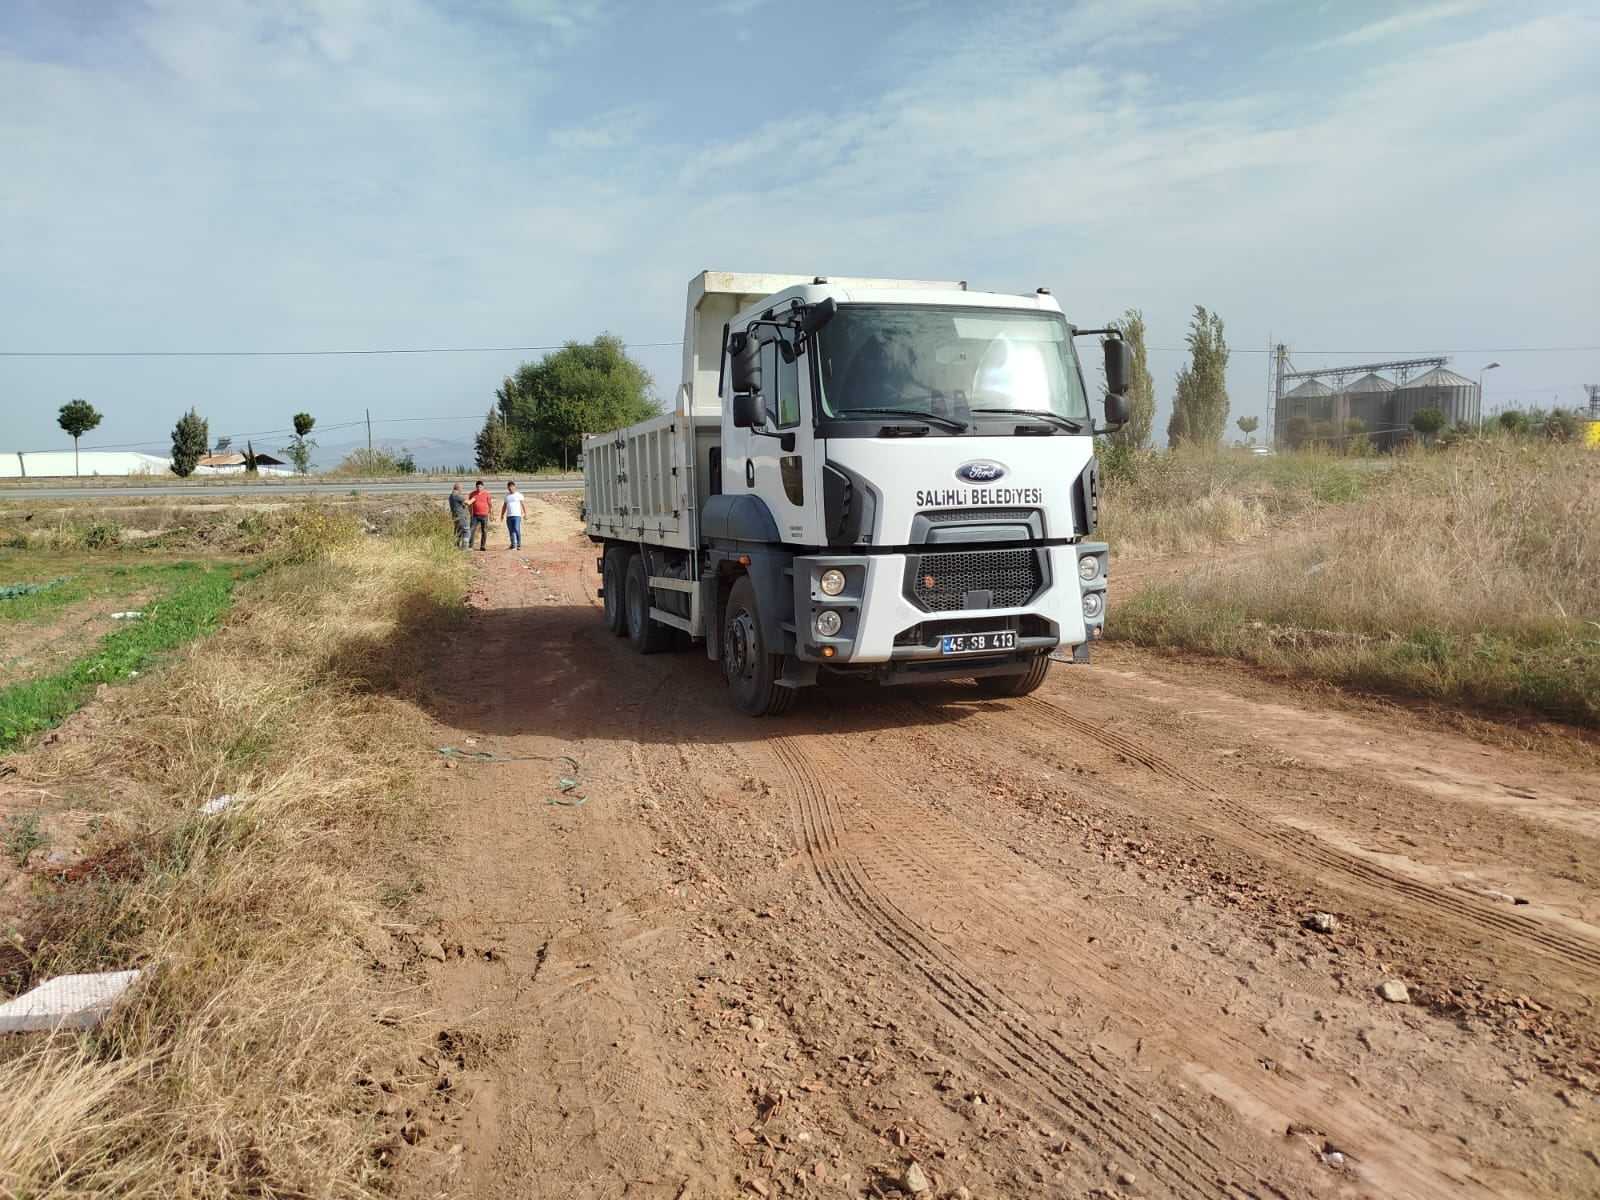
105,535
376,462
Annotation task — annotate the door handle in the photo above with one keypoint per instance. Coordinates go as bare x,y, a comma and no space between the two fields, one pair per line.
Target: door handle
749,473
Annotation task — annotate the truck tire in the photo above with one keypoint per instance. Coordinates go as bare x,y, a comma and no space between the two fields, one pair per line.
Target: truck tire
1019,684
614,582
752,673
646,635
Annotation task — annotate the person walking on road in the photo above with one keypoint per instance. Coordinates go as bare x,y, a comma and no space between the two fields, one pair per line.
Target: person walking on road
511,513
482,504
459,514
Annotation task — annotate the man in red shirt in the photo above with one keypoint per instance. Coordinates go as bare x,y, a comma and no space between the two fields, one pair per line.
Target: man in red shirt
482,504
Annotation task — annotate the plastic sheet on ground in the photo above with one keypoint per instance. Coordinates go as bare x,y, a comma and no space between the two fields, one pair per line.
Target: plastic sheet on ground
66,1002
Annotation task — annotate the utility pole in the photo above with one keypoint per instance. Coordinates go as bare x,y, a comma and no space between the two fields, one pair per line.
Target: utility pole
1488,367
369,435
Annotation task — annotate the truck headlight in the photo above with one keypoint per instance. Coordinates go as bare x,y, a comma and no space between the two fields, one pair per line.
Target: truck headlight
832,581
829,622
1089,567
1094,604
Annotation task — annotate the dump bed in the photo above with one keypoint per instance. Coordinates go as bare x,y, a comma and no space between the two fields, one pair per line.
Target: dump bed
639,483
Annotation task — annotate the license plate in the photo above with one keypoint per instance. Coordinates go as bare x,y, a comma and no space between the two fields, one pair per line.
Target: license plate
978,643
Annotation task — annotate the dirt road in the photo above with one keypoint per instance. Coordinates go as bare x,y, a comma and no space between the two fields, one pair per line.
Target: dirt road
916,940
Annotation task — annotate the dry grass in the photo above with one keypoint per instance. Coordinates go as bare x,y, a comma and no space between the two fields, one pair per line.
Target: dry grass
1190,500
1471,577
31,530
244,1065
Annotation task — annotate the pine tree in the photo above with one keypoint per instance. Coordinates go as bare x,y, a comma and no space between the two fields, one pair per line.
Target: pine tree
493,443
189,439
77,417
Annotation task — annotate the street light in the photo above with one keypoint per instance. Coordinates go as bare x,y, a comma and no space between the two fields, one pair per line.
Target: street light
1481,370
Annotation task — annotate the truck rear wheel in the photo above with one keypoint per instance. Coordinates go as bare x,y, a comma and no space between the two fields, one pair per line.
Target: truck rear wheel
614,582
751,671
646,635
1020,684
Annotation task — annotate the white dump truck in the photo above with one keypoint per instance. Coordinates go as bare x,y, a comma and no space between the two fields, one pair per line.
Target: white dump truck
879,477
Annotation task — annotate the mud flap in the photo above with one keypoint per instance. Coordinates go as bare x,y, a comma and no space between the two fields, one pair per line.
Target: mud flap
797,673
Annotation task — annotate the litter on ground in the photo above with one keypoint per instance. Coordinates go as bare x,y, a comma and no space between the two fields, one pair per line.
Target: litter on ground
66,1002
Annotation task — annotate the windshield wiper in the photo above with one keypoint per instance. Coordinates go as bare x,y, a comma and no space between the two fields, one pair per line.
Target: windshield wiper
931,418
1056,419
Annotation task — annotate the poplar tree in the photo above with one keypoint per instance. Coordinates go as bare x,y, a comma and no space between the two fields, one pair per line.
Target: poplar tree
1142,393
1200,405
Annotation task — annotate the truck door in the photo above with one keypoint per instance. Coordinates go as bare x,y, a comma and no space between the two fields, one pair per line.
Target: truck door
788,480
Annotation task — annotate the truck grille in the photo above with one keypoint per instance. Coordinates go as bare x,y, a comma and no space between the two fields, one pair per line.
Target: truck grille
942,582
975,516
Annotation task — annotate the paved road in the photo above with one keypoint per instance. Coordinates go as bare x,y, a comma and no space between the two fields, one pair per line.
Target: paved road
10,491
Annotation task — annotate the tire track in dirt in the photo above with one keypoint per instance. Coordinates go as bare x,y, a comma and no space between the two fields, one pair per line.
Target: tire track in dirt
1206,801
996,902
1191,1164
578,1012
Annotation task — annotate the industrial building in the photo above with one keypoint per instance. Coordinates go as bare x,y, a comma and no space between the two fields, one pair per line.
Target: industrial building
1334,397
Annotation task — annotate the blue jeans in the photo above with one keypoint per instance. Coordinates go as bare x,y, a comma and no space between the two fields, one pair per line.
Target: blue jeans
480,529
514,528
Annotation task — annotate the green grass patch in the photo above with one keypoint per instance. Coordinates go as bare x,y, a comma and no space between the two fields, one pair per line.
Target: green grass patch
78,579
1549,669
196,598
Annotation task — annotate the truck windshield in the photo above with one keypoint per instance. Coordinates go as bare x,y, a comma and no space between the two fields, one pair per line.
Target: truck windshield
948,362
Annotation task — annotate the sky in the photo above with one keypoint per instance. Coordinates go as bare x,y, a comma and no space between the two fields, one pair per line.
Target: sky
1359,180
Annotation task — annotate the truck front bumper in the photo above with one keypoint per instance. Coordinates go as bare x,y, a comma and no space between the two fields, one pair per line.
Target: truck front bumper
897,608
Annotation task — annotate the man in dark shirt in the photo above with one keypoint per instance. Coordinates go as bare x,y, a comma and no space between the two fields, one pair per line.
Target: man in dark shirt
458,513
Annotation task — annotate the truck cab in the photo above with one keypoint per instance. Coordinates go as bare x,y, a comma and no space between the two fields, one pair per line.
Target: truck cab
886,478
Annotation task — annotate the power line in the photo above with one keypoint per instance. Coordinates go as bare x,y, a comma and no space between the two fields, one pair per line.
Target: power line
1492,350
1517,391
293,353
275,433
658,345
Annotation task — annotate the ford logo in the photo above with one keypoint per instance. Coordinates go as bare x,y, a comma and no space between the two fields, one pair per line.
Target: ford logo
980,472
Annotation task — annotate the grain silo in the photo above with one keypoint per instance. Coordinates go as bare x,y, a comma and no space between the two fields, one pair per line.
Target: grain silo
1370,400
1451,394
1312,400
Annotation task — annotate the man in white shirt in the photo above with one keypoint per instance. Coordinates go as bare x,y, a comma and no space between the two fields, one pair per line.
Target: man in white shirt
511,513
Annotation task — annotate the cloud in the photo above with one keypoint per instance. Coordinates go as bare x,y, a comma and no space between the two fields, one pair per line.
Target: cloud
1404,23
296,175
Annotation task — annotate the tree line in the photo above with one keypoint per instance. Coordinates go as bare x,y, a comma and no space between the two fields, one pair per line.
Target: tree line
191,438
1200,397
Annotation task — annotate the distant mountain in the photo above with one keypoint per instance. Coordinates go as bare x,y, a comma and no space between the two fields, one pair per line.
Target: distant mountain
431,454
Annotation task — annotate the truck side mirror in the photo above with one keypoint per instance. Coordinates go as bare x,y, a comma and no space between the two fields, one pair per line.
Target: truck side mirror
745,353
1119,366
1118,409
818,316
749,409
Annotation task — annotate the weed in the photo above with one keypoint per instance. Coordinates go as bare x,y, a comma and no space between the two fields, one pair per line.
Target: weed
104,535
239,1065
1471,577
398,894
23,836
189,612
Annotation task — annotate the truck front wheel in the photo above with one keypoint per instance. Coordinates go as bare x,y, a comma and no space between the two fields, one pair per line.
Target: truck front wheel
1021,683
645,634
614,582
751,671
